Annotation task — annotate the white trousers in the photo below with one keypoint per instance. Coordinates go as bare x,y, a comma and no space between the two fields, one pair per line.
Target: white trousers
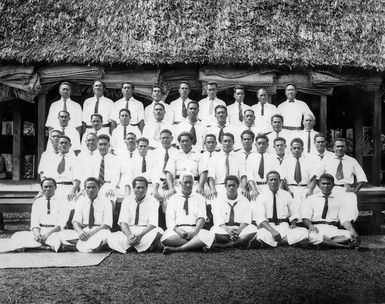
299,198
329,231
25,239
203,235
292,235
94,242
249,229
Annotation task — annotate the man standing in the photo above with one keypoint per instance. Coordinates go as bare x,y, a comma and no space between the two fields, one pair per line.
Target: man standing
71,132
49,153
138,221
157,95
263,111
236,110
179,106
185,217
308,133
207,105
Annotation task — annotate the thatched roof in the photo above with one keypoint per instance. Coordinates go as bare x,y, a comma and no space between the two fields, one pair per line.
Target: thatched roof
286,33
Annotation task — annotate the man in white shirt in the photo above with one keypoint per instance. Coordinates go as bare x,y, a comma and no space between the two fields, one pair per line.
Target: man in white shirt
276,216
130,103
92,220
48,154
138,221
320,151
207,105
179,106
308,133
157,95
48,216
263,111
280,149
278,131
96,127
248,149
293,110
89,156
71,132
65,104
232,217
101,105
329,216
185,217
236,110
249,121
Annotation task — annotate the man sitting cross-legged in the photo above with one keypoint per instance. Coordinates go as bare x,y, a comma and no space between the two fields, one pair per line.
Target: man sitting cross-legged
232,217
138,220
185,217
325,211
48,216
92,220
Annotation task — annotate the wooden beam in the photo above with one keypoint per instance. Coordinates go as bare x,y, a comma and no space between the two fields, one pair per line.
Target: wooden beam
17,144
358,136
376,133
41,117
323,114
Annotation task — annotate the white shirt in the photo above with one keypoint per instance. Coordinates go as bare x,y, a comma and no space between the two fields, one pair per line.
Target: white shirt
304,135
316,157
148,211
132,167
117,139
136,109
207,110
270,163
149,112
235,130
243,155
233,113
105,109
176,107
159,157
58,215
176,215
200,131
217,167
152,131
73,134
73,108
102,211
263,122
221,210
286,134
293,112
191,162
306,166
91,130
264,206
87,159
72,168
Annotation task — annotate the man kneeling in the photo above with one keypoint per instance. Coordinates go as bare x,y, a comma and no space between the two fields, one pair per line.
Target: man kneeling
138,220
185,217
92,220
232,217
324,212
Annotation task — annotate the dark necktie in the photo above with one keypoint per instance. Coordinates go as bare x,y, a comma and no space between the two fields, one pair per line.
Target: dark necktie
63,131
61,166
137,212
280,160
127,104
65,105
184,109
48,206
297,172
91,216
277,134
194,135
240,114
308,141
262,109
339,173
96,110
325,210
247,155
185,205
321,156
232,216
227,165
130,154
166,157
275,216
124,132
220,135
144,169
261,169
211,154
101,172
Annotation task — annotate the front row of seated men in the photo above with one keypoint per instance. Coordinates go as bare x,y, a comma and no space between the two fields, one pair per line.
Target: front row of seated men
270,220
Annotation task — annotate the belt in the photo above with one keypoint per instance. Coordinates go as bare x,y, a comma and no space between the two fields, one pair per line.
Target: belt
103,126
64,183
106,182
261,183
181,225
46,226
196,178
325,222
139,225
291,128
298,185
92,225
232,224
279,221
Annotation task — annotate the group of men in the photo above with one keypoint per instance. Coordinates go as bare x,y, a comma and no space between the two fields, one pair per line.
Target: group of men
219,176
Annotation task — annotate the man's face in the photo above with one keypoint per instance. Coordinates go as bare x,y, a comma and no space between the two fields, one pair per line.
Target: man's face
98,88
91,142
64,145
63,119
65,91
127,91
239,95
273,182
165,140
290,92
249,118
184,90
187,184
124,118
262,96
231,189
340,148
130,141
185,144
192,111
320,144
247,142
48,188
308,122
261,145
157,94
276,123
221,115
103,146
326,186
280,147
96,123
92,189
140,190
159,112
142,148
211,91
54,138
227,144
210,144
296,149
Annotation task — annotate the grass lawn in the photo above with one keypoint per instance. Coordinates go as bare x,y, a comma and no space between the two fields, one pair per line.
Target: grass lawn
281,275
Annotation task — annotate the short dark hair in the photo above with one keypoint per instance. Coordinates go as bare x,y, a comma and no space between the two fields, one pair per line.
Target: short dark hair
272,172
239,87
130,133
297,140
66,137
213,83
159,104
229,135
157,86
263,136
125,110
249,110
63,111
340,139
97,115
165,131
143,139
291,84
220,107
139,179
103,136
65,83
232,178
193,102
92,179
184,82
327,176
103,84
279,139
276,115
210,135
129,83
249,132
57,131
48,179
188,134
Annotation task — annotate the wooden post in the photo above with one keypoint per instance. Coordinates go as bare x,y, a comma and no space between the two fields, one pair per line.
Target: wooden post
323,114
376,133
42,104
17,156
358,136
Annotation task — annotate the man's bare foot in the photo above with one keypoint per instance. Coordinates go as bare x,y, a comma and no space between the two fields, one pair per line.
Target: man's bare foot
168,250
